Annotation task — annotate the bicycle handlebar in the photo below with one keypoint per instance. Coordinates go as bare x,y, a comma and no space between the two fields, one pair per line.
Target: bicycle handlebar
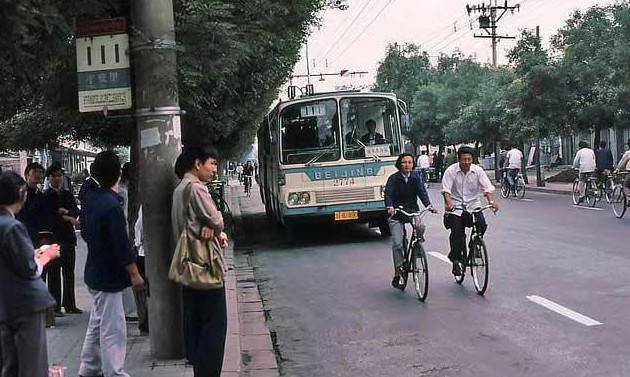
476,210
413,214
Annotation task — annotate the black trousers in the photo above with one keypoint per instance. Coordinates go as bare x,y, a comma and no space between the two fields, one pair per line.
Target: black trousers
205,327
458,225
140,295
23,347
64,266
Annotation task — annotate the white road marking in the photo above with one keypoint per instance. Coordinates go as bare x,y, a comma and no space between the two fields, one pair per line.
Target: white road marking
440,256
586,321
527,200
591,208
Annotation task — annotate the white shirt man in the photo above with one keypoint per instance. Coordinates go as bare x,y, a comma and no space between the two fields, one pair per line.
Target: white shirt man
423,162
514,158
466,189
585,160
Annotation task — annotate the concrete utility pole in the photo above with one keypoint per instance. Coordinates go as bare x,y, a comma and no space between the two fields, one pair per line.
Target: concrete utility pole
158,141
488,21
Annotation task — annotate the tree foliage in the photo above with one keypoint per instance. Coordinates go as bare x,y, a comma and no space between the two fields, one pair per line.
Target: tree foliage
233,56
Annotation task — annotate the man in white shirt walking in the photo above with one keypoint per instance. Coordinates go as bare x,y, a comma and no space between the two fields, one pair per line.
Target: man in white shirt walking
513,161
584,161
463,185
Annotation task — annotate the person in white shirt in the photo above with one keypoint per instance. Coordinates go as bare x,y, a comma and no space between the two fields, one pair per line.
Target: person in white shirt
584,161
424,164
140,294
624,165
463,185
513,160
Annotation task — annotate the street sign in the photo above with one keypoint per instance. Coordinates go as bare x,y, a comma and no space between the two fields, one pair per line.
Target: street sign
103,72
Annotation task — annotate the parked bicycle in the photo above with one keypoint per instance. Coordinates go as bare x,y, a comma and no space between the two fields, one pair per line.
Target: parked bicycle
620,201
414,254
591,192
475,255
518,188
217,192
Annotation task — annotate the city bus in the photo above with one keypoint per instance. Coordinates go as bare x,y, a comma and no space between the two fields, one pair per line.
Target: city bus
327,157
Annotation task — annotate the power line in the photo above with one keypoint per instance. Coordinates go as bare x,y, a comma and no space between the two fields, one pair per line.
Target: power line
332,46
343,51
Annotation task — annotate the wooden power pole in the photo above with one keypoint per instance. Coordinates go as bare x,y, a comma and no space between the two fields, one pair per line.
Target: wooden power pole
158,142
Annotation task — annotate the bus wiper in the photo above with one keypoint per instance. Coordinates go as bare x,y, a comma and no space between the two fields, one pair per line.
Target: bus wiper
372,154
320,155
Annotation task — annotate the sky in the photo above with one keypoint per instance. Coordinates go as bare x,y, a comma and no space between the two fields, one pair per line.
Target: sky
355,39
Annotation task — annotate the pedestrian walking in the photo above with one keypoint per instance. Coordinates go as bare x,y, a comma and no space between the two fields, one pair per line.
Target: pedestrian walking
23,294
109,269
205,316
61,212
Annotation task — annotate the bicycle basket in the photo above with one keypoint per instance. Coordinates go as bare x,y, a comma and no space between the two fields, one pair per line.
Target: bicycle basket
419,226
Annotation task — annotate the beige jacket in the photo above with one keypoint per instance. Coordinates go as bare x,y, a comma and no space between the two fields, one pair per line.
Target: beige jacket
193,207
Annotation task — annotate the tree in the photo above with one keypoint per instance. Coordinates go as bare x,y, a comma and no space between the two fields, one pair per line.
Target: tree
233,58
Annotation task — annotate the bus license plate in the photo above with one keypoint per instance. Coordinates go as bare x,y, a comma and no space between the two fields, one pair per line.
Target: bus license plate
346,215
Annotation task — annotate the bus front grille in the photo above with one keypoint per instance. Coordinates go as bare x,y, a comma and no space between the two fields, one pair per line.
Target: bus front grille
354,194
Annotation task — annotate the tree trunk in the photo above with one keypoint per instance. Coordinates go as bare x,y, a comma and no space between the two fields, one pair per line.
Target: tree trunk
497,160
524,164
540,179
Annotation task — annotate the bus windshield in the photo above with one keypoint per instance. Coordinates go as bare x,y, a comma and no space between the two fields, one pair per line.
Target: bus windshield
370,126
310,132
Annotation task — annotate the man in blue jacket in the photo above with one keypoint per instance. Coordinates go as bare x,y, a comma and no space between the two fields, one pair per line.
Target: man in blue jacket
403,190
109,269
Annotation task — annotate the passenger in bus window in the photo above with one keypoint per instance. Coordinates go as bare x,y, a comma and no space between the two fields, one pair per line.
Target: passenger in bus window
372,137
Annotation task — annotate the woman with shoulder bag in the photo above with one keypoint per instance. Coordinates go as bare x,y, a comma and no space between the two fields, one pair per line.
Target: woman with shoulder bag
198,261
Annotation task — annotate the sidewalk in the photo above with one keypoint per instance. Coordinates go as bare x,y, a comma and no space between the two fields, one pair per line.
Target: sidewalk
248,350
563,188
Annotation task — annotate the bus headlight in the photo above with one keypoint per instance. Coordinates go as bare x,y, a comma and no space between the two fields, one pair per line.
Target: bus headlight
305,198
293,199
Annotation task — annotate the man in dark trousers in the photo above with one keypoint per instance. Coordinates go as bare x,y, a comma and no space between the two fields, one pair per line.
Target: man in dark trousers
61,214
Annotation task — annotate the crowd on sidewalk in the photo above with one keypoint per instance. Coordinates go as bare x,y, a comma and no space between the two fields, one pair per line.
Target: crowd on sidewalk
37,250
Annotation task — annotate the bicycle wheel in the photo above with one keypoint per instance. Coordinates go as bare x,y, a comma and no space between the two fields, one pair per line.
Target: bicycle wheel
519,189
479,266
575,193
591,194
420,271
619,201
505,189
608,188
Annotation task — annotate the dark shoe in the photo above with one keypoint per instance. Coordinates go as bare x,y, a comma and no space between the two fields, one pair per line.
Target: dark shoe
131,319
396,282
457,268
59,313
74,310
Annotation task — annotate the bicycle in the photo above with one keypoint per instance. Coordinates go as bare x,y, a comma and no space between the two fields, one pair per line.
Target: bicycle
518,188
217,190
591,193
247,182
475,255
414,254
620,200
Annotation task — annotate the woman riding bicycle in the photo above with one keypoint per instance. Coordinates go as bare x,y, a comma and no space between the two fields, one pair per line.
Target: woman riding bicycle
463,185
403,190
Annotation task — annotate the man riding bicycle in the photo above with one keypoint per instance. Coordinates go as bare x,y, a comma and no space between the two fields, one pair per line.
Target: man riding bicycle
624,165
248,173
403,190
463,185
584,161
513,160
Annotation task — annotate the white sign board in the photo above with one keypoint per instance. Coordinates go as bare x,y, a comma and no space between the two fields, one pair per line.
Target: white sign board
103,72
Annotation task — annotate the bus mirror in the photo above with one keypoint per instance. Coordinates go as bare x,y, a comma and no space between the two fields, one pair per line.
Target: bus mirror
404,122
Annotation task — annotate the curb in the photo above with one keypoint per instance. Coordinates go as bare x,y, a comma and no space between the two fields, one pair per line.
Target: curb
256,353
